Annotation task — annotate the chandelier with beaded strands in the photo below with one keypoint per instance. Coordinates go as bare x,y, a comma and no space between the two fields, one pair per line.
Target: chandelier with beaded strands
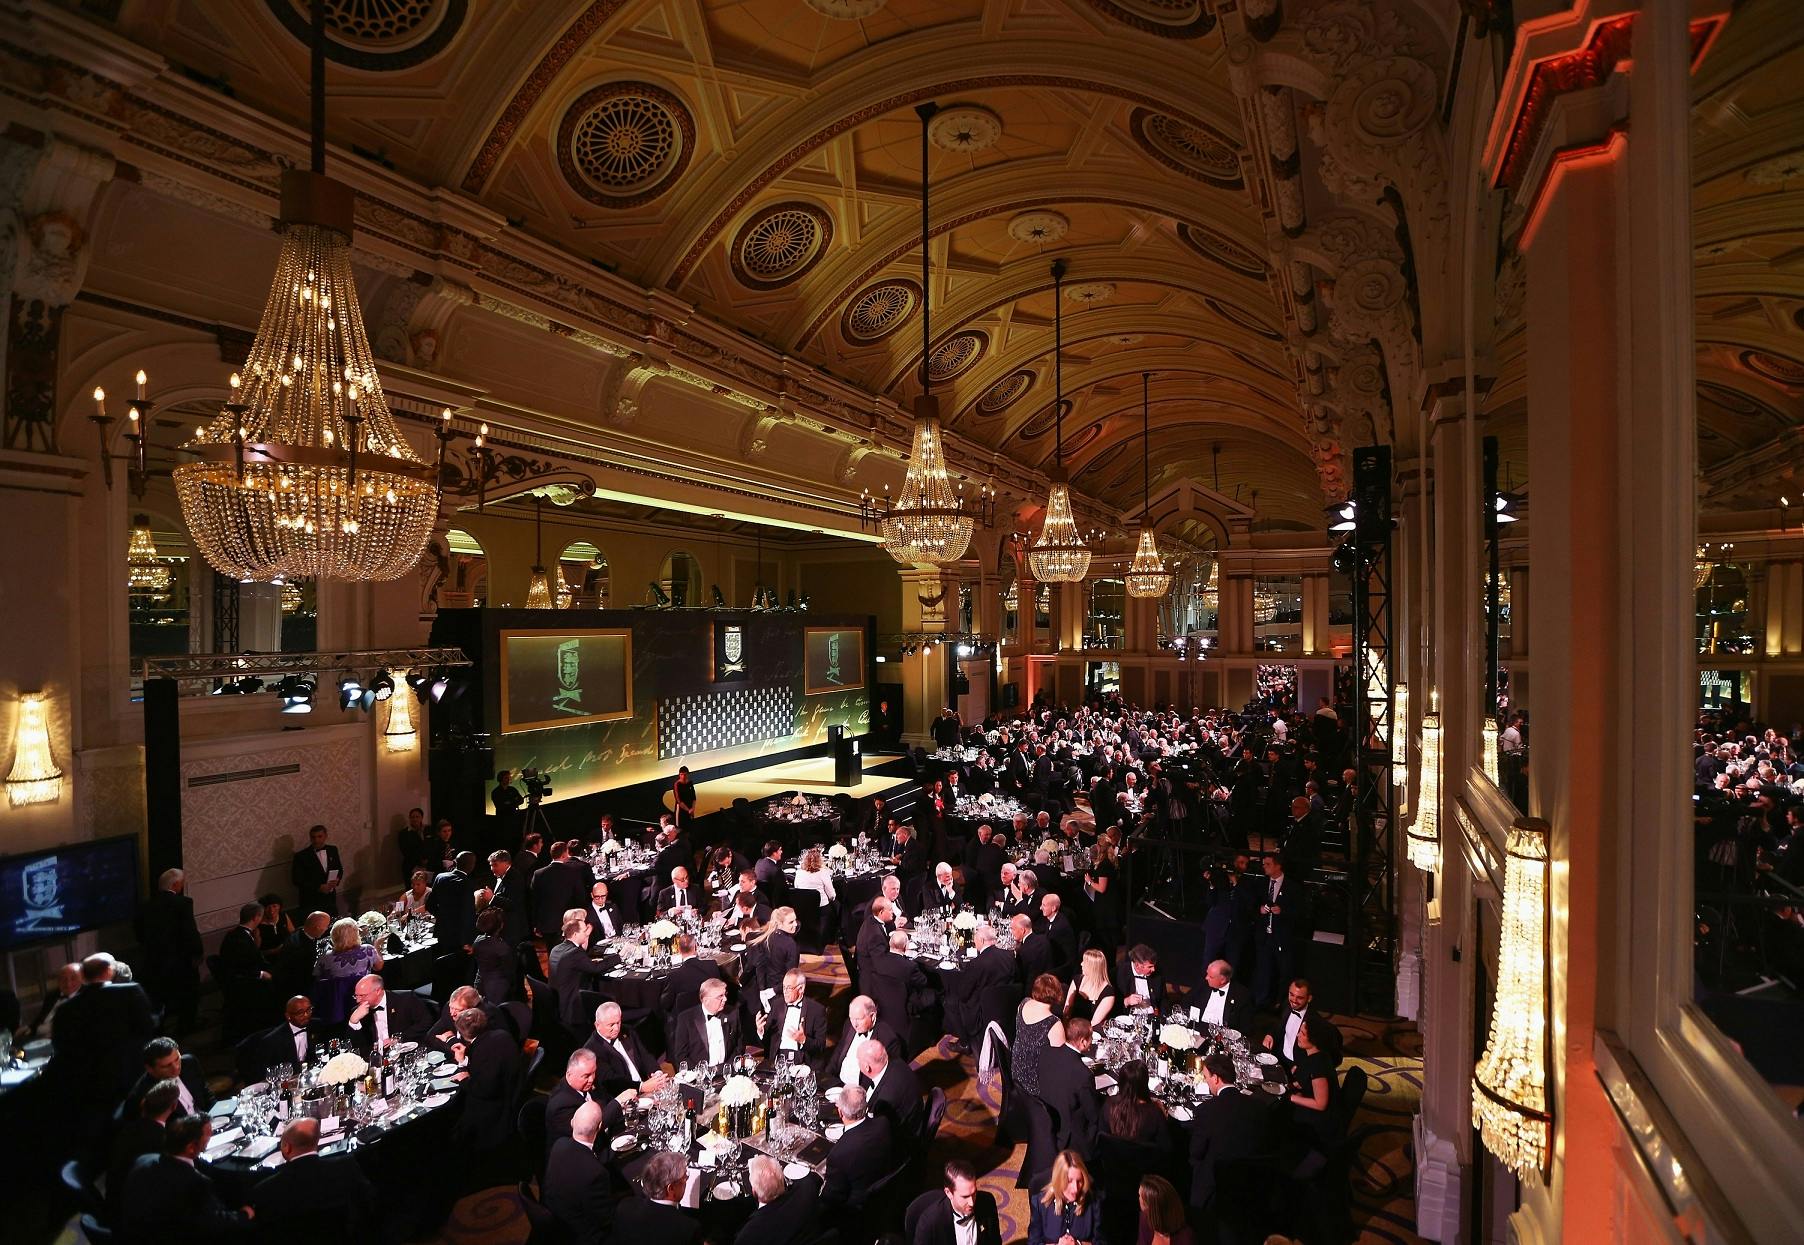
305,471
1146,576
929,522
1059,554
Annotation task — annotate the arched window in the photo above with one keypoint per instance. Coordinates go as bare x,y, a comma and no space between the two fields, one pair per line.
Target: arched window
585,569
680,579
468,581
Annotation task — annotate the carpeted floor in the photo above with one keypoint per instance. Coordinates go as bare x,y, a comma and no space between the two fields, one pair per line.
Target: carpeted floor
1383,1181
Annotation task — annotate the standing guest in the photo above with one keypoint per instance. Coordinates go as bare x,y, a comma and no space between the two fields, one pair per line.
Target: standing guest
497,964
508,897
1059,933
1162,1220
411,841
276,926
244,976
1035,1021
317,872
526,860
1105,900
682,796
492,1059
991,966
1069,1209
172,951
795,1027
312,1198
1092,995
167,1200
140,1134
785,1212
557,887
898,984
1069,1088
381,1015
349,955
962,1215
1034,952
657,1214
453,904
576,1188
673,847
68,984
164,1061
773,953
414,901
292,967
621,1060
571,962
442,850
983,865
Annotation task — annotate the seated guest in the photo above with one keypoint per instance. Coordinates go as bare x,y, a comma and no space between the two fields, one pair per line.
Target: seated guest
444,1029
292,965
1059,932
897,984
944,891
1162,1220
576,1188
1223,1000
749,895
1314,1089
164,1061
785,1213
992,966
621,1062
959,1214
773,953
577,1088
290,1042
707,1035
1092,995
680,895
683,985
1300,1002
891,1090
1069,1208
310,1198
863,1155
862,1026
139,1135
881,920
349,955
813,875
602,914
491,1057
1069,1088
276,925
657,1216
769,869
381,1015
167,1200
68,984
795,1027
1140,982
1133,1114
1229,1126
497,963
573,965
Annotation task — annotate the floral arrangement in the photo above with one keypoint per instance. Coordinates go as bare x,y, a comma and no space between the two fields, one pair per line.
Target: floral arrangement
343,1069
611,847
739,1091
837,852
965,920
1050,847
374,928
986,799
1177,1037
661,931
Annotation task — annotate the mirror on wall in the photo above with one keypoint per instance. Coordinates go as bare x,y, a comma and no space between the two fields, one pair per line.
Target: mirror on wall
680,579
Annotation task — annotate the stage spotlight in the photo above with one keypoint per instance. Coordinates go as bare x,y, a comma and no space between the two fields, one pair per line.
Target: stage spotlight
440,681
350,689
296,692
720,602
383,685
417,680
248,684
1344,517
658,595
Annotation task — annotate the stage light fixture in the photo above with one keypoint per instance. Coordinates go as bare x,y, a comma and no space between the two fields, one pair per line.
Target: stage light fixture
658,595
441,681
296,692
350,689
418,681
383,685
1343,517
720,602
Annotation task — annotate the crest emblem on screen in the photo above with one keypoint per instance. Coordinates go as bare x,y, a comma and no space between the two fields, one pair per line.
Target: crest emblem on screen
730,659
569,695
40,884
833,657
734,644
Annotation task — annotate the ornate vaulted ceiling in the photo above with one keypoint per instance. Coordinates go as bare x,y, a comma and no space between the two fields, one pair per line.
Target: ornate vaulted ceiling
759,160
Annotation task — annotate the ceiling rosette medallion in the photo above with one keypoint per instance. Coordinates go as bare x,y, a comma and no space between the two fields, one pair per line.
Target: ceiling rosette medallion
847,10
377,36
622,144
1090,293
1169,19
1222,250
1186,147
1006,392
964,129
1038,228
880,310
957,355
1776,368
780,244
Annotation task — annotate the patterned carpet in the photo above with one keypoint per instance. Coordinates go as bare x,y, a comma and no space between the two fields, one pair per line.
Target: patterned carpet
1383,1181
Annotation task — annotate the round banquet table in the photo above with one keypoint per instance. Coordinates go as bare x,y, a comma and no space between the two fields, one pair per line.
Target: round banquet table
643,988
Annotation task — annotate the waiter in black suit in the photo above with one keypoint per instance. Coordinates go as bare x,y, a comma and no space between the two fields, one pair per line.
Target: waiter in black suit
682,796
311,1198
317,873
382,1014
172,950
958,1213
453,905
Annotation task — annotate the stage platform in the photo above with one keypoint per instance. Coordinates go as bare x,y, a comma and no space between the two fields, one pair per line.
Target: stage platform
883,773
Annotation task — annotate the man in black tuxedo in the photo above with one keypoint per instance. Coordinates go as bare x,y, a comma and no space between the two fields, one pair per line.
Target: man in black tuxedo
1026,898
167,1200
602,914
785,1212
992,966
139,1135
410,841
769,869
1301,841
576,1188
558,887
317,873
1069,1088
172,951
621,1060
862,1027
1274,940
1139,981
682,987
1223,1000
674,849
892,1090
863,1155
164,1061
1228,1126
943,891
507,894
1060,934
99,1035
751,885
489,1093
573,967
959,1204
895,982
291,967
311,1198
795,1025
1300,1009
381,1014
657,1217
880,921
453,905
292,1041
983,865
244,977
1034,952
708,1033
526,862
576,1089
682,894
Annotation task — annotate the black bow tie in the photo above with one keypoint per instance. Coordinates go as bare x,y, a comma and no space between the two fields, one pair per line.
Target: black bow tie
962,1220
1296,1013
1221,989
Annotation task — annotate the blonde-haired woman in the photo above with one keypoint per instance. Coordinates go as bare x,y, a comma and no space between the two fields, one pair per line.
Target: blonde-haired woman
1092,994
1069,1207
413,900
349,956
775,951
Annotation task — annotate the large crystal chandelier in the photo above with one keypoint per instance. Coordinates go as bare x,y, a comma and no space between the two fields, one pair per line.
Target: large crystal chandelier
1701,566
1011,597
1265,605
538,588
1146,575
1059,554
305,471
928,523
146,573
1425,831
1510,1106
1400,732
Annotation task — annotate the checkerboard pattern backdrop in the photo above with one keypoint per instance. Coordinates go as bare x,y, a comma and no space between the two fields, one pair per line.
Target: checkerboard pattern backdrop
689,724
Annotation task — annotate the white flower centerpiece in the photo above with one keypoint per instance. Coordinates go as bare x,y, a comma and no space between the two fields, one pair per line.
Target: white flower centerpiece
739,1102
964,928
1180,1044
1050,847
373,927
343,1069
659,936
612,847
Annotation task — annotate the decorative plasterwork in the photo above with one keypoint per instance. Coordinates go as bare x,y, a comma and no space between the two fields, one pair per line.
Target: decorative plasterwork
1039,228
1787,373
624,143
965,129
956,355
1169,19
1006,392
780,244
1189,148
880,310
847,10
1222,250
377,36
1090,293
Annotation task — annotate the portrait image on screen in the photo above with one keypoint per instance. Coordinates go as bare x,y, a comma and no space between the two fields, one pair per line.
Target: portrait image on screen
833,659
562,678
60,893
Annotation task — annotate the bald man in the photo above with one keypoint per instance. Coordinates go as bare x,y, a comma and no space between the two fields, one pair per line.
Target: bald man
576,1187
315,1198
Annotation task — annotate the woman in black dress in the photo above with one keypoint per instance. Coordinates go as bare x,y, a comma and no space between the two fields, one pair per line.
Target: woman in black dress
497,964
1035,1020
1105,901
1132,1114
682,795
775,951
1315,1091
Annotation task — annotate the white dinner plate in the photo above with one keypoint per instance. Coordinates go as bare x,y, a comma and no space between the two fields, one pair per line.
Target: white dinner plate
1154,1082
1272,1088
726,1190
833,1132
406,1048
1267,1058
795,1171
617,972
948,965
1181,1114
738,946
833,1092
623,1143
436,1056
1233,1035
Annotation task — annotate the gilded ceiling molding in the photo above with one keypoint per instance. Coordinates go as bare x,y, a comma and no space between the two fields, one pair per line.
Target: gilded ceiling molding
622,144
1168,19
378,38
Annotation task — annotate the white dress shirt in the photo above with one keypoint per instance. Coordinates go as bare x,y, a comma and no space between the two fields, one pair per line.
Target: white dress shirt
301,1044
1141,987
848,1066
183,1097
792,1020
717,1039
1217,1005
964,1228
1292,1022
632,1068
607,922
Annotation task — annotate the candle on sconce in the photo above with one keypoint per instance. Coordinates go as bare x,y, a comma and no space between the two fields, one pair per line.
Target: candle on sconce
141,378
99,402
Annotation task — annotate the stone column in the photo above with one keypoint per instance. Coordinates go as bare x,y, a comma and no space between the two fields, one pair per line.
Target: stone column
1315,616
924,690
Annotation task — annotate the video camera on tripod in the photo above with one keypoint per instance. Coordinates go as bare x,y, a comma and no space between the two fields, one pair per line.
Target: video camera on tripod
537,785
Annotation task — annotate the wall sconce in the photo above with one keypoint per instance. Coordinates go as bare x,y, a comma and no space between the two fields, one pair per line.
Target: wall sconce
1425,831
1510,1107
34,778
1488,748
399,735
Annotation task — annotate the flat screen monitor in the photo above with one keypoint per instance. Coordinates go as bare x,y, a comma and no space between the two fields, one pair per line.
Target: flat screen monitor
562,678
56,894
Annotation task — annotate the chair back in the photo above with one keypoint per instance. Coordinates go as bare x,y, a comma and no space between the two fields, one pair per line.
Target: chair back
911,1218
1042,1146
534,1145
332,998
96,1232
529,1070
521,1016
807,903
80,1188
1353,1089
542,1227
448,973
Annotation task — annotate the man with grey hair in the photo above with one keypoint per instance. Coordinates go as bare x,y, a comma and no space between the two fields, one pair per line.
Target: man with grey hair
576,1188
172,952
863,1155
621,1060
795,1028
576,1090
657,1216
946,892
992,966
785,1212
862,1026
